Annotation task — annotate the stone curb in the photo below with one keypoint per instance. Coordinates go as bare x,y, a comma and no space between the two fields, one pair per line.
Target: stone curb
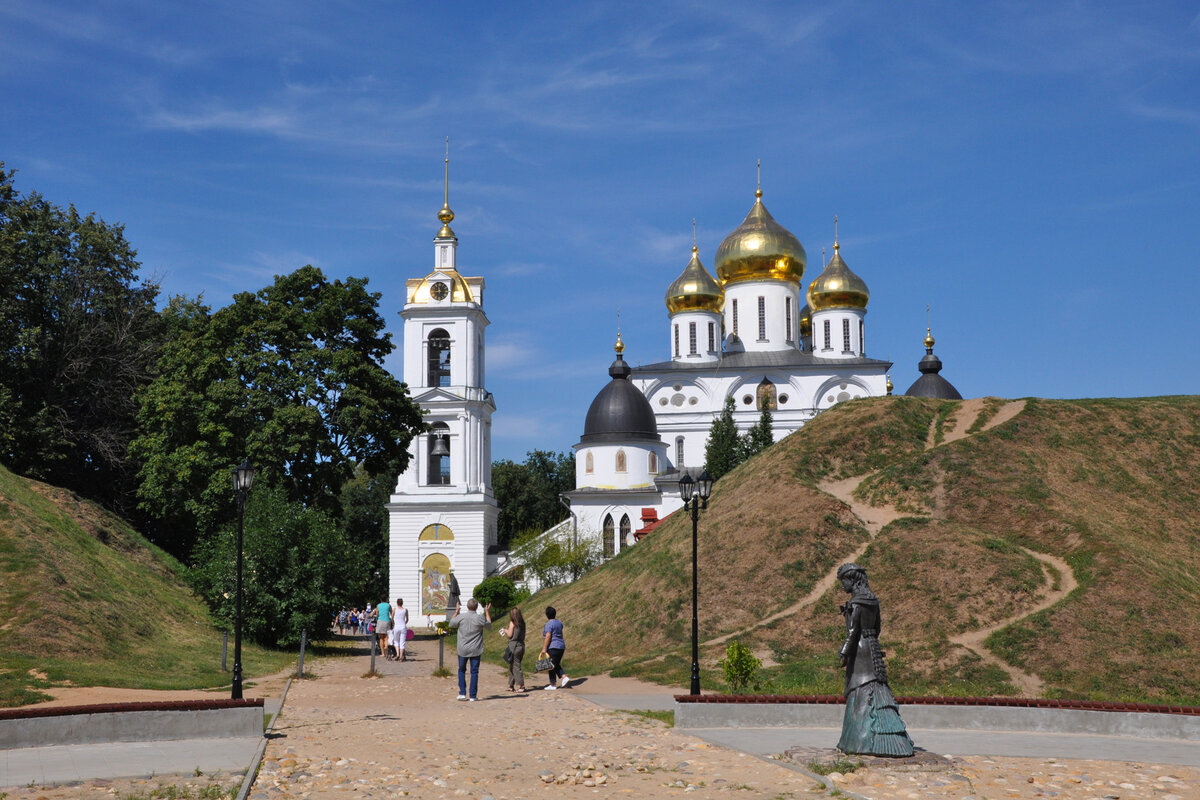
130,722
708,711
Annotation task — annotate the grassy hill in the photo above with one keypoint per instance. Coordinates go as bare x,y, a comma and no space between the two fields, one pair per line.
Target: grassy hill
86,601
1108,490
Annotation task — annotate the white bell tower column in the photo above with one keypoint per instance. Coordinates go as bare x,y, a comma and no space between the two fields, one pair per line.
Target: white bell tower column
442,516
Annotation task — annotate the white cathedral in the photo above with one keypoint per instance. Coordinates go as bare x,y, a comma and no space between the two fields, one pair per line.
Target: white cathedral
754,333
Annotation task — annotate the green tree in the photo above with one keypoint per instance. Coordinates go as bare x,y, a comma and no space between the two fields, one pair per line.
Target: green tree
721,453
79,333
292,377
297,569
364,523
528,493
757,439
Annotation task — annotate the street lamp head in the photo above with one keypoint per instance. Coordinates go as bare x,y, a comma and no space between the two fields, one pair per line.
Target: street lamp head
686,487
243,476
704,485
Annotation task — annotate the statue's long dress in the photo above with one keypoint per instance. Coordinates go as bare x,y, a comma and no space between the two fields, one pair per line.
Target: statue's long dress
872,724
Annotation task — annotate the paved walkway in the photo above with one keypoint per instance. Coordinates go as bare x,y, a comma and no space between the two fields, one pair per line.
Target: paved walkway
344,734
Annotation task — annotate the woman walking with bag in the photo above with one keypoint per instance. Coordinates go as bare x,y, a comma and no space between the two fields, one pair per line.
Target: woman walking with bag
515,650
553,645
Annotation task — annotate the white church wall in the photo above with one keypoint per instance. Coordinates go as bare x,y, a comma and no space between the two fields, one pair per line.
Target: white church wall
772,334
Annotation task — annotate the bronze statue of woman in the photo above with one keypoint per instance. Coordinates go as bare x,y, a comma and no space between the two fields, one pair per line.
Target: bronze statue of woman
872,724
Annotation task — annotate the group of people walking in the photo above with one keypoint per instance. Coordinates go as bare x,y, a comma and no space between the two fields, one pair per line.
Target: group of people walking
386,621
471,626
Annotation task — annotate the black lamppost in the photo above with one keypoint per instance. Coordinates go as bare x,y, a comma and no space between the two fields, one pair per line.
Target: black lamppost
701,489
243,476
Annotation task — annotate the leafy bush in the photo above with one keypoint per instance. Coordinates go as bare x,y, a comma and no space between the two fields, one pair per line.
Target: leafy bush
296,569
499,591
740,666
555,560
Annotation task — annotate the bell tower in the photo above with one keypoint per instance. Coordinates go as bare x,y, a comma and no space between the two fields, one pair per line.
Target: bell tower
442,515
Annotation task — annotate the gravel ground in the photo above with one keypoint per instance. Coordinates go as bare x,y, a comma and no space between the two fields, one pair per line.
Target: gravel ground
403,734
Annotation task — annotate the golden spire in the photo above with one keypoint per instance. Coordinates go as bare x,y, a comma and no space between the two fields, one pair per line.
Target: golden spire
929,342
758,178
694,248
835,235
445,215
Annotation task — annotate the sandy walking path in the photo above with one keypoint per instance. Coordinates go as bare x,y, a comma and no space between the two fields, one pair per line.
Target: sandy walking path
346,735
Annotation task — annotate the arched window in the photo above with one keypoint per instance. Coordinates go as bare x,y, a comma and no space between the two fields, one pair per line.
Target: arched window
762,319
787,319
609,537
438,466
679,452
766,395
828,343
620,461
439,357
626,529
846,336
676,328
589,463
691,338
654,463
735,319
862,339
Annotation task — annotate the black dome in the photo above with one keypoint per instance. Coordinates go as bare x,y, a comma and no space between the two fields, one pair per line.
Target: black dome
931,384
620,412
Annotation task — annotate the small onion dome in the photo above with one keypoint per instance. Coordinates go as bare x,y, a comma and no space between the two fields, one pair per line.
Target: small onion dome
695,289
931,384
837,287
760,249
889,385
620,411
805,322
445,216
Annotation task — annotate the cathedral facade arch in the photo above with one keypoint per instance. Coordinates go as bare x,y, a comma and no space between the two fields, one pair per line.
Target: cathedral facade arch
839,389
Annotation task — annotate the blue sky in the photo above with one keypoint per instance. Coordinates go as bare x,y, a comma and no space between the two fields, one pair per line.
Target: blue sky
1030,170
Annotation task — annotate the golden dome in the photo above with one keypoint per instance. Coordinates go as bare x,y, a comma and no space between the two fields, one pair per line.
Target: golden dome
929,341
458,290
695,289
889,385
837,287
805,322
619,347
760,249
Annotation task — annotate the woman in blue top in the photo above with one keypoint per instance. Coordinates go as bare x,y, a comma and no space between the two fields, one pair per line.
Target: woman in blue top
554,646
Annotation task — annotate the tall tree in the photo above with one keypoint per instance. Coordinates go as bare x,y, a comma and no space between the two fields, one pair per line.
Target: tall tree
758,438
528,493
721,453
292,377
301,563
79,333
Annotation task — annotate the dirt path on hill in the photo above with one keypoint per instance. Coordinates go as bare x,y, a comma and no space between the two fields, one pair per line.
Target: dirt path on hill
873,518
965,416
1030,685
